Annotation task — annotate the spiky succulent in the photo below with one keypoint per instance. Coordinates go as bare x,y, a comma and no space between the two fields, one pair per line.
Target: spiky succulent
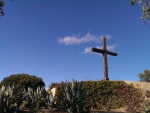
11,98
75,96
35,96
50,100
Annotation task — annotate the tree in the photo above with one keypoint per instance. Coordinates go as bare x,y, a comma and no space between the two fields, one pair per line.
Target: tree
145,8
25,80
144,77
1,5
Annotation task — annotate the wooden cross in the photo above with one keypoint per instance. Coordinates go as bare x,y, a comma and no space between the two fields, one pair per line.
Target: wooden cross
104,52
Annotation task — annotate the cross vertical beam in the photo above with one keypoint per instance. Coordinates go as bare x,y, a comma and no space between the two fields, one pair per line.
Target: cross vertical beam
104,52
105,60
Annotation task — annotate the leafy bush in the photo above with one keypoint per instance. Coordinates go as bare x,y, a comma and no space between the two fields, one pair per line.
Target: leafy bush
104,95
23,80
144,77
133,99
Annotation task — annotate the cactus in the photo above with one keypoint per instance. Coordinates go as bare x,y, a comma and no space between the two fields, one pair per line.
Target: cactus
11,98
75,97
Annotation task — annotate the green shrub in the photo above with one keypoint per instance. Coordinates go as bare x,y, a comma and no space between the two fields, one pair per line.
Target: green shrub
104,95
133,98
24,80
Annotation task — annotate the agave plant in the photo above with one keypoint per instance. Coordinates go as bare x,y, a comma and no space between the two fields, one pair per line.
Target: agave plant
11,98
75,96
50,100
35,96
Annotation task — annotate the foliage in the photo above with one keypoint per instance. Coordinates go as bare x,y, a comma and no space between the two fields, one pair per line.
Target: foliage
23,80
133,99
145,8
1,5
104,94
110,95
50,100
36,97
146,104
74,97
11,99
144,77
53,85
59,98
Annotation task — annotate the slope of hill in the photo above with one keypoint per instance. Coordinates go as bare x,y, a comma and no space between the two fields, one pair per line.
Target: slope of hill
145,86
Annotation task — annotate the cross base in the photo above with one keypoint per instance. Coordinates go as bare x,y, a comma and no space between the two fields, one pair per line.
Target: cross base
105,78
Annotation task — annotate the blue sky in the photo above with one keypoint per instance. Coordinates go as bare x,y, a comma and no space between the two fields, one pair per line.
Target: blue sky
52,39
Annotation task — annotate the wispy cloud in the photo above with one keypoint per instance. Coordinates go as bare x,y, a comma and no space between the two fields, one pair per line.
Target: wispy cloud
88,50
70,40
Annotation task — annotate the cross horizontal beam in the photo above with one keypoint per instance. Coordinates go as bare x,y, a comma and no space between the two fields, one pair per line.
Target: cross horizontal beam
104,51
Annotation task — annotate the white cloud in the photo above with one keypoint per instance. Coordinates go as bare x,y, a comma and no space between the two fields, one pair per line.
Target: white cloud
107,36
89,49
70,40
